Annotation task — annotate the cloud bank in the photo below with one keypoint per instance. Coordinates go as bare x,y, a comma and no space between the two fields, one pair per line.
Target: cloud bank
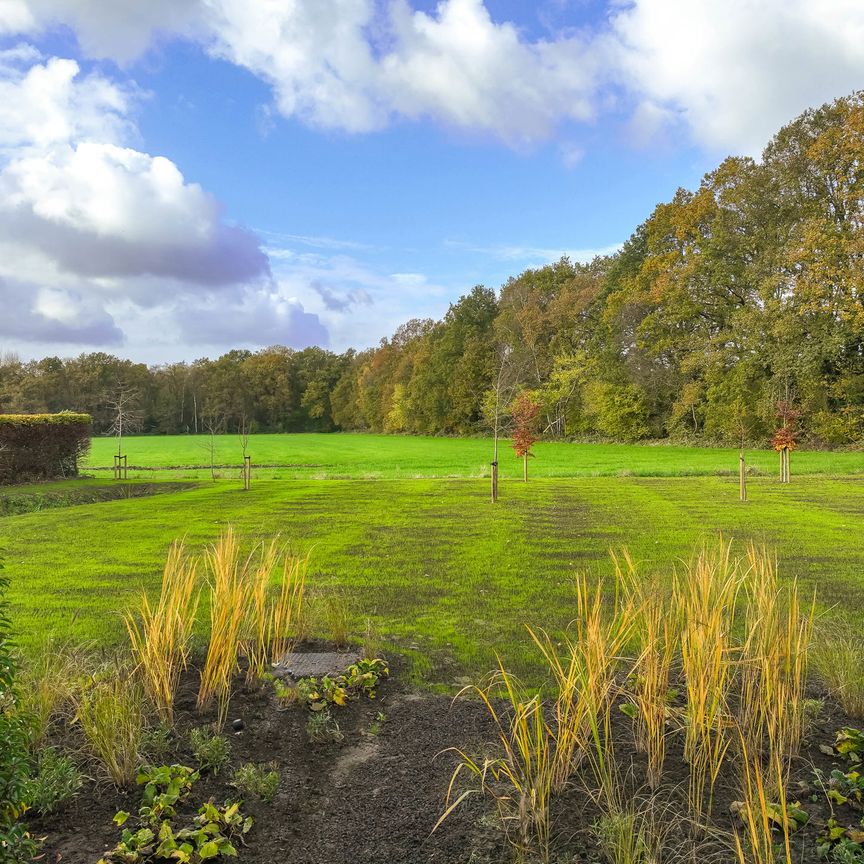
728,72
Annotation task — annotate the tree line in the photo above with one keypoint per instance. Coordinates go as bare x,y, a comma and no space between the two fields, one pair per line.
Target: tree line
728,301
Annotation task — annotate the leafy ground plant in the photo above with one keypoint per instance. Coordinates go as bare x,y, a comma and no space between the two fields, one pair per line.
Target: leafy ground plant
322,728
262,781
211,751
213,834
55,781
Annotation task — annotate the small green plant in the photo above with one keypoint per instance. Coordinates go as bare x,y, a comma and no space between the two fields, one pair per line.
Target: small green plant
262,781
337,618
164,787
110,713
211,751
840,844
838,654
54,782
212,834
619,839
322,728
377,724
843,787
286,694
157,742
849,743
360,677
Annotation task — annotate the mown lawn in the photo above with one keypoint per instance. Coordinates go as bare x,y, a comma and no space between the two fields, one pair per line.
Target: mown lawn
447,577
350,456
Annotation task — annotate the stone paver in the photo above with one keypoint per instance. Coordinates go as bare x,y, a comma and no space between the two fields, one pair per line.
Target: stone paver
314,664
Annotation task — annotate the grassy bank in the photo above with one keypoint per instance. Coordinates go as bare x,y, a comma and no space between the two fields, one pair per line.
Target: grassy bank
430,561
347,456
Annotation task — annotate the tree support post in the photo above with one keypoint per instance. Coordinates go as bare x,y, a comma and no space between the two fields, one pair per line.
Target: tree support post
247,473
494,481
742,477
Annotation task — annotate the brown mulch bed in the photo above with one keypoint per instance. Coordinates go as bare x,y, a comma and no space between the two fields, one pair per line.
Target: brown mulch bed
375,798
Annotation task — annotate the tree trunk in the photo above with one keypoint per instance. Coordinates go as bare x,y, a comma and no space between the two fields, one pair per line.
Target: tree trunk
525,468
742,477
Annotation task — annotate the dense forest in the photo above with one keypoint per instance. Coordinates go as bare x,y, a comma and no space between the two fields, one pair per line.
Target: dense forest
730,300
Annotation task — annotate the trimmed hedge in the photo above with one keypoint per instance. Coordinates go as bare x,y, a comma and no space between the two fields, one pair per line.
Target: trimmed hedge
42,446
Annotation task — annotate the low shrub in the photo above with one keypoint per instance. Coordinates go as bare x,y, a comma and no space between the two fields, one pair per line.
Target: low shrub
322,728
56,780
262,781
15,842
211,751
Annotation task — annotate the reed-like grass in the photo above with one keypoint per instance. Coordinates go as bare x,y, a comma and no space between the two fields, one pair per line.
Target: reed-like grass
111,715
779,628
161,635
520,777
48,682
585,670
286,612
837,652
229,603
256,644
755,841
651,673
706,596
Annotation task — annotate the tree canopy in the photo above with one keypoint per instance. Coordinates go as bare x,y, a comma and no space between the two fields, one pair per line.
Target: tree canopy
726,301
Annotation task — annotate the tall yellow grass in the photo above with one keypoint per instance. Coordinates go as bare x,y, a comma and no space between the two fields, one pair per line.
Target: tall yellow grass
755,842
256,644
585,672
520,780
705,602
287,610
230,591
779,629
160,642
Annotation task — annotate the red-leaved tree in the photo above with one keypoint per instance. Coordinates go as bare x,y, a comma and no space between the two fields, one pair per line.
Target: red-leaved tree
524,413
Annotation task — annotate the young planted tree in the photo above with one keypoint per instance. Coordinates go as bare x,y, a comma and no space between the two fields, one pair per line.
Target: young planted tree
125,418
785,438
524,411
247,459
214,425
497,399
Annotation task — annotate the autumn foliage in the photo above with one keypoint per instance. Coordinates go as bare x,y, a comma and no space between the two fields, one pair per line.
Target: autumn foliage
524,413
786,436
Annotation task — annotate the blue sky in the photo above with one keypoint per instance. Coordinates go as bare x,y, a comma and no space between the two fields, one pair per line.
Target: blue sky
185,176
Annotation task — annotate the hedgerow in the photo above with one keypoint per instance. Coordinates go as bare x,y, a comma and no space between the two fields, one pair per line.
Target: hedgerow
42,446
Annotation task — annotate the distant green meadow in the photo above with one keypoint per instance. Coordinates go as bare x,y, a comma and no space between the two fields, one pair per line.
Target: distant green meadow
447,578
351,456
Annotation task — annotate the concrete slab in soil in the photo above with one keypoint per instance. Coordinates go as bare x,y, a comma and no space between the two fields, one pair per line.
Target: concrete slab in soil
314,664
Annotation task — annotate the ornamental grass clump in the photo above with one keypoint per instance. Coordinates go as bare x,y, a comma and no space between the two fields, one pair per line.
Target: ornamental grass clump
779,628
286,611
651,673
229,602
705,601
161,635
520,778
838,655
111,715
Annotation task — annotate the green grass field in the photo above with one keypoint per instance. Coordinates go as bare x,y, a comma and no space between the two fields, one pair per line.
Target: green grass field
447,577
350,456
